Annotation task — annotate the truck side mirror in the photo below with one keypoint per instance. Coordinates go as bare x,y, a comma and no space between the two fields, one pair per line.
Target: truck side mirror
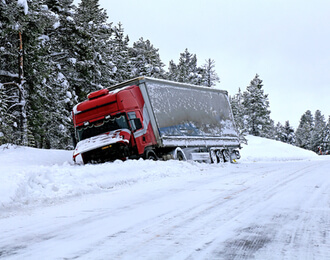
137,123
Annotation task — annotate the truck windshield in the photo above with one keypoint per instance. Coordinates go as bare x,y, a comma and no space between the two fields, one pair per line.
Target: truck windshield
102,126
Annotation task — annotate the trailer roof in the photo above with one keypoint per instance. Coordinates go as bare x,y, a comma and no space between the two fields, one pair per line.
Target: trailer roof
138,80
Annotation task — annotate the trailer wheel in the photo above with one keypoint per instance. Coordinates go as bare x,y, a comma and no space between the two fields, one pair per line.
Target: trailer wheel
220,156
179,154
214,157
226,155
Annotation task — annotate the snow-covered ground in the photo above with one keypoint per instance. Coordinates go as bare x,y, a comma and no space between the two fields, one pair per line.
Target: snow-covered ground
273,204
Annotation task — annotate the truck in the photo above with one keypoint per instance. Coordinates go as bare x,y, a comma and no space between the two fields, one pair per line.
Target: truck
155,119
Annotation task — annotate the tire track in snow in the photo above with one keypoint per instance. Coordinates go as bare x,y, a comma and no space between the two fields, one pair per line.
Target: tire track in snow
210,218
291,231
202,221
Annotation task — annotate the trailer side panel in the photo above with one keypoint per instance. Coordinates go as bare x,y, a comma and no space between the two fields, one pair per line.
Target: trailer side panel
186,112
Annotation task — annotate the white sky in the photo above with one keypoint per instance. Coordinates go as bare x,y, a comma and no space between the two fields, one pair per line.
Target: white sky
287,42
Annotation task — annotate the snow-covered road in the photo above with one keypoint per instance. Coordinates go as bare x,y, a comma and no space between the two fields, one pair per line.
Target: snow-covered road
169,210
264,210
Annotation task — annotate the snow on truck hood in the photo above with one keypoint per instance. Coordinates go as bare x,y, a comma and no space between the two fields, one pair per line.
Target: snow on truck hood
116,136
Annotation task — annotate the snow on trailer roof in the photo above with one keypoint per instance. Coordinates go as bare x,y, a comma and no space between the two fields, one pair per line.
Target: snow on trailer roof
138,80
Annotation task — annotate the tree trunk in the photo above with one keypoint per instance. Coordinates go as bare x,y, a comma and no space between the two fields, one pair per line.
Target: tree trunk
21,98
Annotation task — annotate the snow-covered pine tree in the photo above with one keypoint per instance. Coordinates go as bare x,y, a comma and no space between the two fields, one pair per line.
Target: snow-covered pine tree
62,36
39,72
145,60
9,40
93,53
186,71
289,135
172,73
270,130
37,25
284,133
5,129
209,77
8,73
318,140
58,123
15,36
304,131
238,110
60,132
120,64
327,137
256,107
279,132
187,68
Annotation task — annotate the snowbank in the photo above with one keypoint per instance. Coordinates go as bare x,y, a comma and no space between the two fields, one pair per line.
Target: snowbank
262,149
31,176
11,155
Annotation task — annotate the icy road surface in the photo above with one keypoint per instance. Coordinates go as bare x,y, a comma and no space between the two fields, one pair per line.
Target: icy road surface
257,209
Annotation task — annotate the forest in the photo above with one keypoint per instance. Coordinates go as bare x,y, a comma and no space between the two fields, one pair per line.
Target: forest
251,110
53,53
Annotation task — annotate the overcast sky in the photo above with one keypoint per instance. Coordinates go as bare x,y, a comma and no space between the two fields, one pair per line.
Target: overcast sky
287,42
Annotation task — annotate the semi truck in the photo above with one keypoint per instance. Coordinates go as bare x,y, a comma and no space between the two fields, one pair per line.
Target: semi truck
155,119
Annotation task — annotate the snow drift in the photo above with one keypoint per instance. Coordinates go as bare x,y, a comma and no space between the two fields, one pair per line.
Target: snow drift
261,149
32,176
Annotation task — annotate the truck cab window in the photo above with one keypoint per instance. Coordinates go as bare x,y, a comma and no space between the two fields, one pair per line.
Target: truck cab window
134,121
102,126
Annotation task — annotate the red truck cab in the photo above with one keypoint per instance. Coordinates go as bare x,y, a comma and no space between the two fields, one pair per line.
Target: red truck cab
112,125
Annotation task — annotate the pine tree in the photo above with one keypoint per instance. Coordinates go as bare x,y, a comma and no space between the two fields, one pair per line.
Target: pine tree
39,72
10,19
285,133
289,135
145,60
270,130
238,110
327,137
209,76
33,97
20,35
120,64
172,74
187,67
3,116
62,36
186,71
304,131
318,137
279,132
58,124
93,63
62,60
257,111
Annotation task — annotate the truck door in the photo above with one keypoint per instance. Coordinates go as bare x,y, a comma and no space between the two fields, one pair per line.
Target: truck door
139,130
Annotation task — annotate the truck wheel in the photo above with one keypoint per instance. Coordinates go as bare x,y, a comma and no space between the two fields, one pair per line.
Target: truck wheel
150,155
179,154
214,157
220,156
226,155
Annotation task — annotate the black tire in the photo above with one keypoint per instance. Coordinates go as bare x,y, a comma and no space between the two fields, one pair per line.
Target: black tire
151,155
226,155
214,157
220,156
180,156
